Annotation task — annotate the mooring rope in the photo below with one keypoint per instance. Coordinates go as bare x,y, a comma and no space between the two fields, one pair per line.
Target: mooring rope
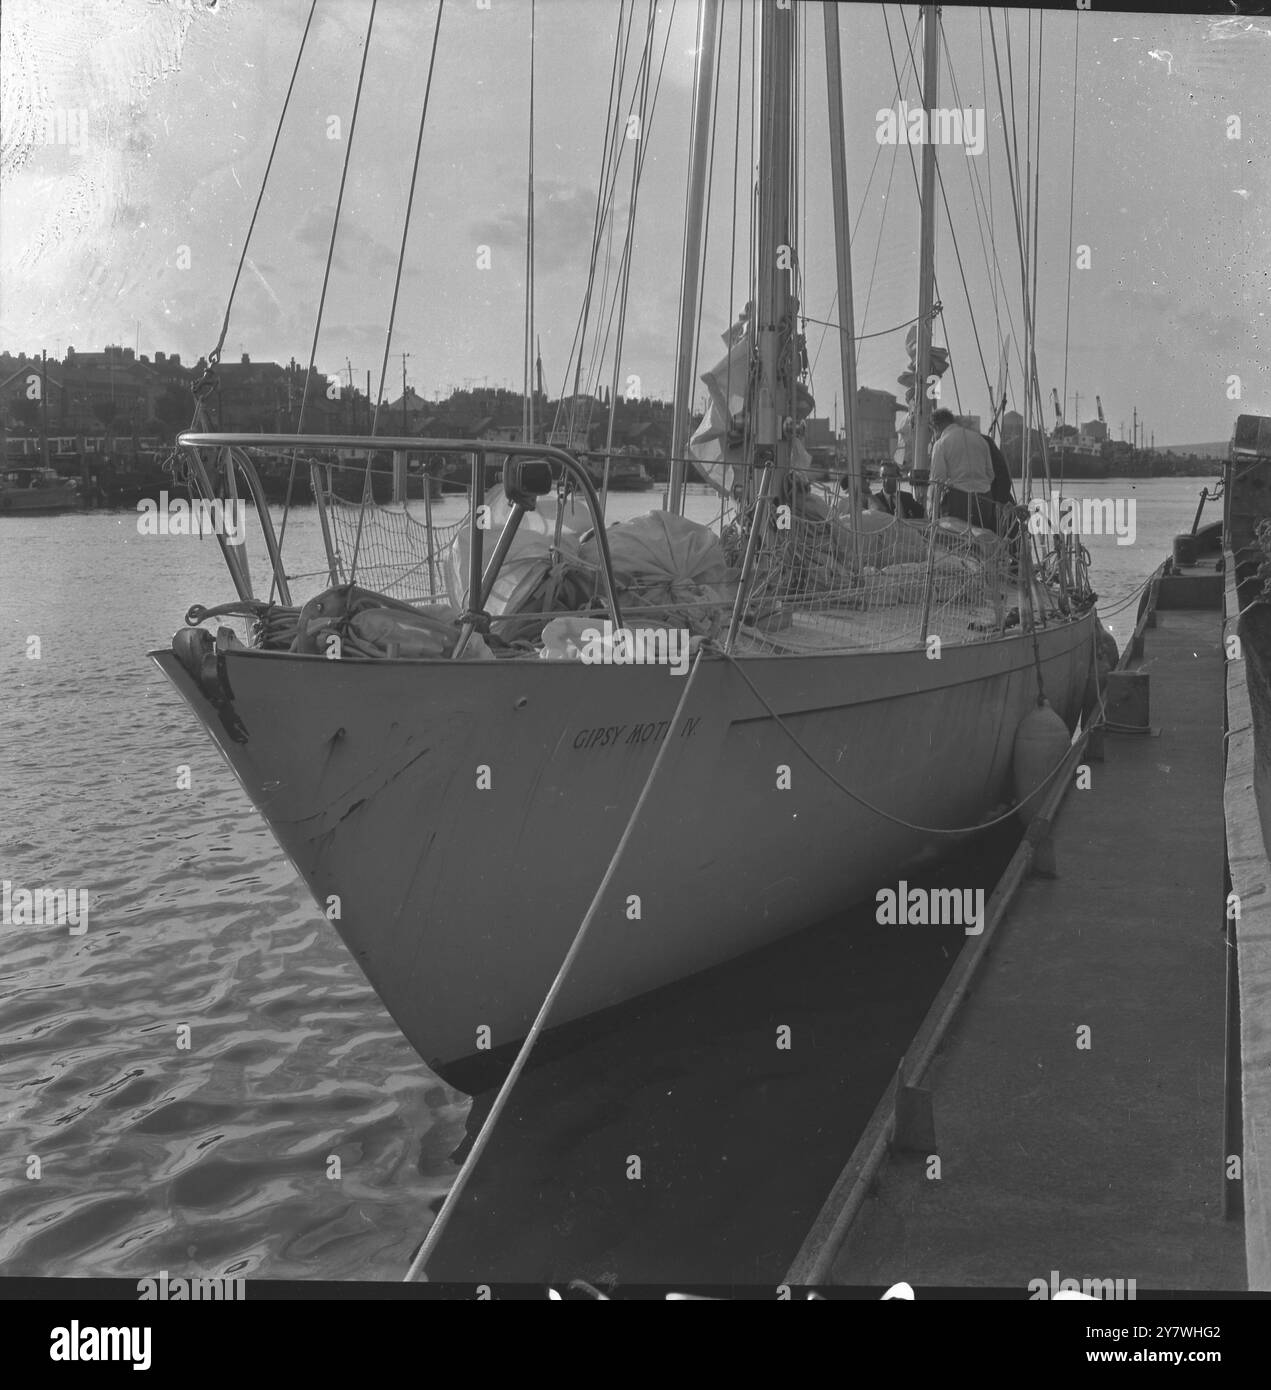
416,1271
869,805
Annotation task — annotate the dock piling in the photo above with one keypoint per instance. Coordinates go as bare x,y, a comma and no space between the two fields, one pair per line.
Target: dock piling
915,1123
1128,705
1042,861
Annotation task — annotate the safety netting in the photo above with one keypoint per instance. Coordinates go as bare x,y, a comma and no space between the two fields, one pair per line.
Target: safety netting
821,578
828,580
396,553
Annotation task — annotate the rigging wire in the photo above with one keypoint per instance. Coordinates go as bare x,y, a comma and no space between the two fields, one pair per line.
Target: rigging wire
621,298
335,221
869,183
639,94
1028,127
851,241
610,113
953,237
988,150
878,244
1072,184
648,108
710,191
935,283
1012,169
215,355
397,279
1033,245
620,140
983,207
335,226
913,168
617,80
881,333
645,118
410,203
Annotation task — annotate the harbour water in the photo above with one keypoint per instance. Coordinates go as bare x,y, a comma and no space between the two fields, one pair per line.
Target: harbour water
288,1131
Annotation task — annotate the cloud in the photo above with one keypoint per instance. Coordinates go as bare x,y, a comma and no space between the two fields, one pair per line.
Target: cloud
563,217
1195,321
355,248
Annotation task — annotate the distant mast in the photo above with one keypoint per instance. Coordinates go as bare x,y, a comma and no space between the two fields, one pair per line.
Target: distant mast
699,164
44,406
843,260
927,253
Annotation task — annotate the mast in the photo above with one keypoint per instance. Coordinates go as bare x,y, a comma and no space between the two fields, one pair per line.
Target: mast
699,163
44,407
775,307
927,256
772,395
843,254
405,430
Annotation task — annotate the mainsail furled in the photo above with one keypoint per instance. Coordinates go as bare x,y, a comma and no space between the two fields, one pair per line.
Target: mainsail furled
717,442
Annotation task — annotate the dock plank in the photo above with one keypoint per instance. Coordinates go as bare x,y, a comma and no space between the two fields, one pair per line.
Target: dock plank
1247,858
1103,1162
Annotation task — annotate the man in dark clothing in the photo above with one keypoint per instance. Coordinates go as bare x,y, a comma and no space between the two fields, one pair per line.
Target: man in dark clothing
886,500
1002,493
1001,489
891,496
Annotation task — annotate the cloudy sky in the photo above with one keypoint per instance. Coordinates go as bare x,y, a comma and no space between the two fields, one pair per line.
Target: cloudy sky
136,132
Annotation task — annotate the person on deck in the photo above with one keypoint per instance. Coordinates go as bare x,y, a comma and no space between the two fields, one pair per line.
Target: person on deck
962,465
1002,492
1002,487
891,496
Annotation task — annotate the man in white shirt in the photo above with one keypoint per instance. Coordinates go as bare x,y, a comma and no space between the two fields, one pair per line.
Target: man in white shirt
962,464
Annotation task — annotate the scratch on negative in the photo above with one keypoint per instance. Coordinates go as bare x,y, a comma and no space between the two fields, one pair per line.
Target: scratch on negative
327,808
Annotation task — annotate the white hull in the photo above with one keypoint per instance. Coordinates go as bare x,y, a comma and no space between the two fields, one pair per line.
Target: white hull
459,903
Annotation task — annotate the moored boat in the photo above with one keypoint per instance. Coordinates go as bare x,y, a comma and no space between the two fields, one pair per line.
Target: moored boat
466,771
30,488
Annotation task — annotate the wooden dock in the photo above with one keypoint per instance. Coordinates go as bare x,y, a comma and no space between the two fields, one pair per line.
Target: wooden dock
1078,1091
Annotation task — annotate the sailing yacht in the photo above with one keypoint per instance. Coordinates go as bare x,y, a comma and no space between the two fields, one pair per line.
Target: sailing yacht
458,800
